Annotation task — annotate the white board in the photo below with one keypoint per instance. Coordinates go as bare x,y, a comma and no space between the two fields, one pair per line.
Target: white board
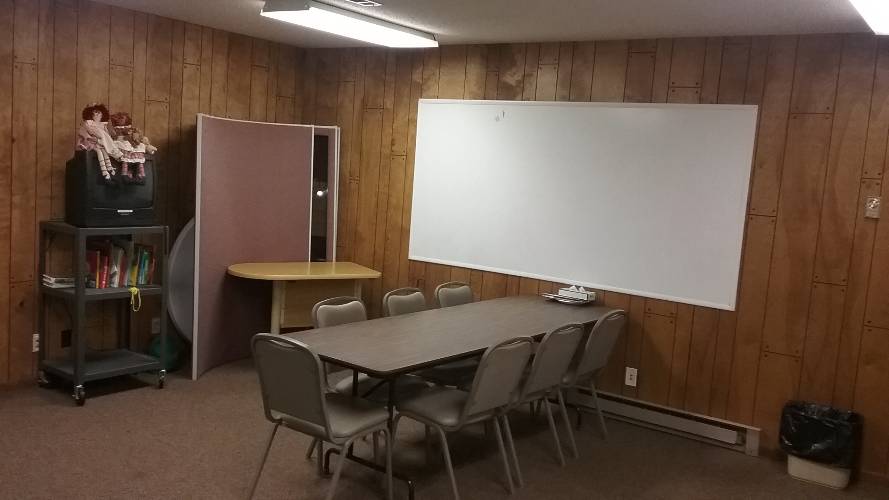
646,199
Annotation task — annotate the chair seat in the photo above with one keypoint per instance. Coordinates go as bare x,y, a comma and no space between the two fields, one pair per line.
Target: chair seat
440,405
350,416
455,374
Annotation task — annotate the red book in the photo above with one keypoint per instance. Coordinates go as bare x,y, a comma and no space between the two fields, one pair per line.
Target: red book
150,279
103,276
92,262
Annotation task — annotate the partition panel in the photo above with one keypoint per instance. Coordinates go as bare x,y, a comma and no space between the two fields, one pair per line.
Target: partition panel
254,191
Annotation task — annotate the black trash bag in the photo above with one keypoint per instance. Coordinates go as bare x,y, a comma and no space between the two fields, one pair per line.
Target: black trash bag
820,433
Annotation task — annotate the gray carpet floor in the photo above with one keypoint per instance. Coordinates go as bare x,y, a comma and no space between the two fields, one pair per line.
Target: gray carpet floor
203,439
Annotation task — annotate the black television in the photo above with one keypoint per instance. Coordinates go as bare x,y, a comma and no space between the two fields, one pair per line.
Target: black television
91,201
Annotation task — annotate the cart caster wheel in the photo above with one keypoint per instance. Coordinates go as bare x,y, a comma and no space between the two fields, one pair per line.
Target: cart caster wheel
161,375
79,395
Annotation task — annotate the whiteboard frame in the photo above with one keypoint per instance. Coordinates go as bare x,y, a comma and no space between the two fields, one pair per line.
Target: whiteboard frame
742,213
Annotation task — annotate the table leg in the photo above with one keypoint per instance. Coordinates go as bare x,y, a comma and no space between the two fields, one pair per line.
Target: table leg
358,289
277,302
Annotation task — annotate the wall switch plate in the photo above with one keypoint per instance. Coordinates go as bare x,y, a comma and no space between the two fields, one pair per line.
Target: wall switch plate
872,207
630,376
155,325
35,342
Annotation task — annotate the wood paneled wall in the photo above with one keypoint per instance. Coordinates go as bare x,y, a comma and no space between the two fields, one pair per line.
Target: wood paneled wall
58,56
813,315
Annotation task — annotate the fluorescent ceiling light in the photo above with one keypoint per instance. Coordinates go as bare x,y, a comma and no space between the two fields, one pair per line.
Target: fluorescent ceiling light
876,13
346,23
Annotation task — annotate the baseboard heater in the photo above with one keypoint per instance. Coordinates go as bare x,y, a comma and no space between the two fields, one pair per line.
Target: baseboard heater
704,428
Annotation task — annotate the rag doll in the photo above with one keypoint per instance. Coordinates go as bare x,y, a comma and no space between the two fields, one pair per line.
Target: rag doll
93,136
133,146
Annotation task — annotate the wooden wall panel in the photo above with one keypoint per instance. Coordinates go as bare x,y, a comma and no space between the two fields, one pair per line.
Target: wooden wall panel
777,383
815,80
6,100
856,298
609,72
822,343
878,126
878,295
701,358
772,130
870,398
656,358
796,234
687,68
847,145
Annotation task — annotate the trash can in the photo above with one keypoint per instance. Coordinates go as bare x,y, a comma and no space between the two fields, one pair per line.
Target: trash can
822,442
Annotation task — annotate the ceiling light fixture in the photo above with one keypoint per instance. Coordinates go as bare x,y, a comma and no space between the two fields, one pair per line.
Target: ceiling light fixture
875,13
345,23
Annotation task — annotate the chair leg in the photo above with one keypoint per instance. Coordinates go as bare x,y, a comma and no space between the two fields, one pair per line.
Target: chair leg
389,444
499,433
552,428
567,423
598,410
265,455
311,448
510,444
428,442
376,445
531,409
447,458
320,457
338,470
579,416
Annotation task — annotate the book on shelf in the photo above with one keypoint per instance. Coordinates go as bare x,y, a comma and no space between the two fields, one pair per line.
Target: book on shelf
57,281
118,262
49,279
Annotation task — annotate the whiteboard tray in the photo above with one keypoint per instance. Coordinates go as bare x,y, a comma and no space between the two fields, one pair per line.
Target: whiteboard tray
567,300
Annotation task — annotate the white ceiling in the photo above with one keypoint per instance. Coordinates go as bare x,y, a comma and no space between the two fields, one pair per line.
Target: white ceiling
498,21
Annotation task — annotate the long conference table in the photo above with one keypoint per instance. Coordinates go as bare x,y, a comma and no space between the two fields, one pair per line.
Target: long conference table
390,347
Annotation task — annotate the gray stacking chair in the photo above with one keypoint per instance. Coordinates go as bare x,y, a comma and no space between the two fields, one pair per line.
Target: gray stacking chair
403,301
339,311
594,357
342,310
495,386
453,293
552,360
456,373
292,380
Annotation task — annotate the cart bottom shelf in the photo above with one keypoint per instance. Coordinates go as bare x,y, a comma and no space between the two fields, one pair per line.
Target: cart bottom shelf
104,364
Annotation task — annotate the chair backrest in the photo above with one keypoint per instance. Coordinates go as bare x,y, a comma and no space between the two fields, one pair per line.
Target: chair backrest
292,383
403,301
453,293
498,376
338,311
600,343
553,358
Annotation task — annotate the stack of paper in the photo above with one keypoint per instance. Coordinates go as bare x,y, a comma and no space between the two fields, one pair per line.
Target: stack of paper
580,293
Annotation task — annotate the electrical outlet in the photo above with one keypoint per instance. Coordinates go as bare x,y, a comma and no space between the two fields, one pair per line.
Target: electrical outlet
35,342
630,376
155,325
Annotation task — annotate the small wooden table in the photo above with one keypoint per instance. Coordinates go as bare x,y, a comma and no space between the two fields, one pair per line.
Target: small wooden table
297,286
